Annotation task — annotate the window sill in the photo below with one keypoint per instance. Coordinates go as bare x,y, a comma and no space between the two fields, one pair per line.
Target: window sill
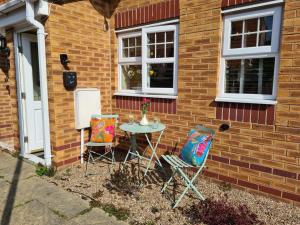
145,95
250,101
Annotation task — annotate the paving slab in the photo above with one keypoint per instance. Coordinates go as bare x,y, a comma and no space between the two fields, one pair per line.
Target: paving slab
26,199
95,217
35,213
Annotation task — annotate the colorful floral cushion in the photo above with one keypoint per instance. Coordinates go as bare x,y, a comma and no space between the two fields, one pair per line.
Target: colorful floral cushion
103,130
196,147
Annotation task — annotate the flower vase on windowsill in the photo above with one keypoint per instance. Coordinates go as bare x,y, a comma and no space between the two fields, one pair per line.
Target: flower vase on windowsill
144,108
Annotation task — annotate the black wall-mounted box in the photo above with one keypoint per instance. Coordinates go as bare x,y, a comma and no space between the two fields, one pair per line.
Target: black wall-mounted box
70,80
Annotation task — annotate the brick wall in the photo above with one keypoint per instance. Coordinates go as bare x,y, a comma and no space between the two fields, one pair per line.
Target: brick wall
260,157
9,136
79,34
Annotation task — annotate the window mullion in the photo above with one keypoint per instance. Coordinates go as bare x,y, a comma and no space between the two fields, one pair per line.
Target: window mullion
242,76
260,76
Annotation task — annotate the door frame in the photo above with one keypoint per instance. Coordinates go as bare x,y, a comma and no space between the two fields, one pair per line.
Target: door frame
30,104
22,106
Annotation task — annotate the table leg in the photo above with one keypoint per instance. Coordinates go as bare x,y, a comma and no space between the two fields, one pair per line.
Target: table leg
153,151
133,146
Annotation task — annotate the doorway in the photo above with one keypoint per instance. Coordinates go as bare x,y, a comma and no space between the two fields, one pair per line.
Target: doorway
31,94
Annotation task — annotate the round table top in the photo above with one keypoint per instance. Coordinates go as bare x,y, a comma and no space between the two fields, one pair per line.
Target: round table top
136,128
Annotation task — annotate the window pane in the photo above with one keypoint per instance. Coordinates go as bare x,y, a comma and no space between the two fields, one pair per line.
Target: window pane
35,72
170,50
132,52
151,38
131,42
268,75
125,52
160,75
138,41
160,51
250,76
170,36
138,52
131,77
232,76
160,37
265,38
151,51
236,41
237,27
251,25
125,42
266,23
250,40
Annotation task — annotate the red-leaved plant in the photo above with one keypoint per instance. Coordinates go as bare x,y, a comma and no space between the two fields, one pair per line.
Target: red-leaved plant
221,212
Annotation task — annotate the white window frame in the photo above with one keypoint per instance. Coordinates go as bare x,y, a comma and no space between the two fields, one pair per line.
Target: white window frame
144,60
126,60
248,53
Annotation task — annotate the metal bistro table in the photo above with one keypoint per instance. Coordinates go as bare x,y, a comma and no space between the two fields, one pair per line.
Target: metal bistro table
132,130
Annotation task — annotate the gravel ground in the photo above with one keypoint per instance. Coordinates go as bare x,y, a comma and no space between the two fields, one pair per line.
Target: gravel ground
148,206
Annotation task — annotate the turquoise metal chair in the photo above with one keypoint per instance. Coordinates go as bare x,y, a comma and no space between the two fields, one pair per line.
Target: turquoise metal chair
179,165
109,147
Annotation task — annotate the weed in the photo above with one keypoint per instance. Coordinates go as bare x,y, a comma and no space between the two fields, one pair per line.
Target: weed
225,187
221,212
42,170
67,172
85,211
59,214
119,213
97,194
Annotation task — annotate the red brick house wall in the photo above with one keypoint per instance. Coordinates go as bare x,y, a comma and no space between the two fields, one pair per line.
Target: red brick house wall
261,150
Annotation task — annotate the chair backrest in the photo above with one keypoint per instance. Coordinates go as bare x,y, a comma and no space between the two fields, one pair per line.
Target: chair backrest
212,133
108,116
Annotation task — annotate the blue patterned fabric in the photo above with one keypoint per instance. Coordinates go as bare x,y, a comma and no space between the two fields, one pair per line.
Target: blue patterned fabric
195,149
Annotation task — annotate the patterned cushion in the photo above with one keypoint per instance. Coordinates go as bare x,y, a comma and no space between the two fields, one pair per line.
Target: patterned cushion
196,147
103,130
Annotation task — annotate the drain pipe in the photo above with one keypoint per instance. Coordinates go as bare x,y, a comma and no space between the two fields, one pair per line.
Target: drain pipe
43,77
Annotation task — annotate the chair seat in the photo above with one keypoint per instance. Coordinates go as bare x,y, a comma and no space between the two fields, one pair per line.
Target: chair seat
175,161
95,144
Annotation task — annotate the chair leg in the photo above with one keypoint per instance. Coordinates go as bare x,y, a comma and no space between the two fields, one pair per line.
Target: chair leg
129,151
168,182
189,185
112,149
88,161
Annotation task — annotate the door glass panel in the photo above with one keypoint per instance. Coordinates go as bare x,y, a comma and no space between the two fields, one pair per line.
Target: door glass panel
35,72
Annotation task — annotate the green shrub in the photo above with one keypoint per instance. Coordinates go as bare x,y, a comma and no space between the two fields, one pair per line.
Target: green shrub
42,170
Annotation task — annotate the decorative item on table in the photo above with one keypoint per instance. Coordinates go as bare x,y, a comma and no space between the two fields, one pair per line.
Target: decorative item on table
131,119
155,122
144,108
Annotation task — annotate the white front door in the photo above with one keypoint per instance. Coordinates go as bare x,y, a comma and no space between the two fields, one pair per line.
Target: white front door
33,106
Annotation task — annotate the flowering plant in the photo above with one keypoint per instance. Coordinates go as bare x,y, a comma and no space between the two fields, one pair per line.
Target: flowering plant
145,105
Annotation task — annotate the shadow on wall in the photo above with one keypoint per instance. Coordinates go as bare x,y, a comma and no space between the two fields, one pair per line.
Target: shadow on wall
104,7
